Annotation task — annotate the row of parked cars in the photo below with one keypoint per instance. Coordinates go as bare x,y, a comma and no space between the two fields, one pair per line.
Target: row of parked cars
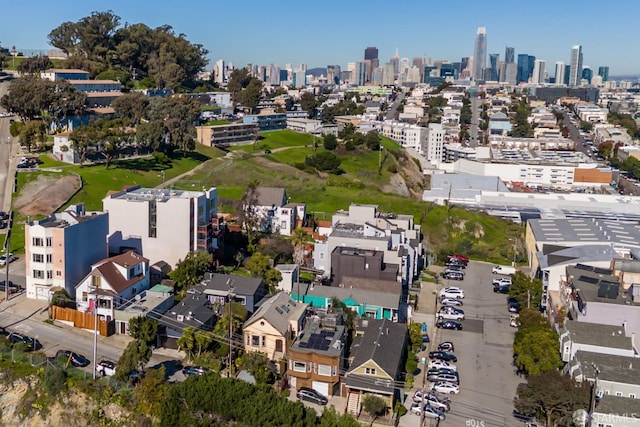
443,378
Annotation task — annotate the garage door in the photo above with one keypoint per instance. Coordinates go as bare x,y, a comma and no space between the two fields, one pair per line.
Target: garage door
320,387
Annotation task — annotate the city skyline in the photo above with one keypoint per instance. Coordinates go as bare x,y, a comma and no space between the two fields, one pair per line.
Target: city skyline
259,37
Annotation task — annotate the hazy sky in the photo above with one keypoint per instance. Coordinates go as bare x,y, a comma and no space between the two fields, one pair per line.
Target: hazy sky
325,32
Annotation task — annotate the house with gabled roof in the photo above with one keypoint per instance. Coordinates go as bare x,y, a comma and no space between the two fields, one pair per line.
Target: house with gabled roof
115,280
247,291
276,214
377,356
272,328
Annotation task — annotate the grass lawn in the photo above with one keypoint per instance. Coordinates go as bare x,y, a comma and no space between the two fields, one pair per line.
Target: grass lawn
216,122
278,139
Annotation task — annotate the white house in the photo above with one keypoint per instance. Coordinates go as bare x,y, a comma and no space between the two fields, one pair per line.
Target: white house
290,276
62,149
116,280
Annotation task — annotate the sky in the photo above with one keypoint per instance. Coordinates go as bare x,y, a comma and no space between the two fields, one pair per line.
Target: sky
319,33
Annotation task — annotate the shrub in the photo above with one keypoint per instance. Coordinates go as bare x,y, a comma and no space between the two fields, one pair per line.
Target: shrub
393,168
54,380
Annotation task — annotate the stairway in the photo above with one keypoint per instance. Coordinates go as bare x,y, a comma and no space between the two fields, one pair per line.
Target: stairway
353,404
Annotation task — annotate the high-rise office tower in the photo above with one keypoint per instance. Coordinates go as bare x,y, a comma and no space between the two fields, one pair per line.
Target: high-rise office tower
464,63
479,54
360,73
523,68
587,74
404,66
388,74
493,66
560,67
567,74
395,61
575,75
371,54
509,55
510,73
219,72
604,73
537,76
333,74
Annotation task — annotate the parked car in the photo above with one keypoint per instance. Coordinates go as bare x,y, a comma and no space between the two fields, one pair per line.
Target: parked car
449,324
436,371
502,281
461,258
513,305
7,259
267,151
503,289
453,270
194,370
445,387
513,320
504,270
452,292
429,411
311,395
441,403
443,355
451,301
453,275
106,367
446,346
16,338
74,358
13,288
439,363
439,377
451,313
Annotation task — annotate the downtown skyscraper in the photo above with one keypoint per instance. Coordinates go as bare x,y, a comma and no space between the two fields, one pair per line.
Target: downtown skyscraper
479,54
575,72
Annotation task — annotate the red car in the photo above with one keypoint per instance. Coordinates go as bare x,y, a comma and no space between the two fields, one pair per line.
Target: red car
460,258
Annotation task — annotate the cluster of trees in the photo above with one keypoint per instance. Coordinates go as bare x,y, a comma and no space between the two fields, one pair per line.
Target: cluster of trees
325,161
98,42
465,119
34,64
33,98
209,400
344,108
535,345
631,165
626,121
138,352
353,139
245,89
521,126
553,397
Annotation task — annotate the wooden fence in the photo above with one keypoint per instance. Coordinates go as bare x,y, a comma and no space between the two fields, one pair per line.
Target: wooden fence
83,320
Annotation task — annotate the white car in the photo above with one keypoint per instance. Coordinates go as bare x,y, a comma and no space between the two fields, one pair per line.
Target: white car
437,363
3,259
450,313
106,367
452,292
505,281
446,387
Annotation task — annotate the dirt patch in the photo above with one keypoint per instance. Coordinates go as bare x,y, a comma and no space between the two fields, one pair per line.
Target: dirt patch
46,194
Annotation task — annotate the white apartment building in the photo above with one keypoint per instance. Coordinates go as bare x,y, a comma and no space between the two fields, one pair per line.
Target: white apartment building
435,144
60,249
592,113
162,224
407,135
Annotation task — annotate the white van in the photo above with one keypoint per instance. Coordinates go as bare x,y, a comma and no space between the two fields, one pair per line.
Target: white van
503,269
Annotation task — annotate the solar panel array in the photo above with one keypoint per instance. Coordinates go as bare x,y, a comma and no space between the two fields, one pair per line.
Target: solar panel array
318,341
608,290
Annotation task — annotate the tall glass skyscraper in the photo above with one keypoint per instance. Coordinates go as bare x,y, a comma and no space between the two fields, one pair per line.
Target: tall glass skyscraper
604,73
523,68
493,66
575,74
509,55
480,54
560,68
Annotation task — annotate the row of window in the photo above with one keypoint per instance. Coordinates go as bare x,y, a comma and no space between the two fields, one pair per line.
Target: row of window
39,241
41,257
322,370
39,274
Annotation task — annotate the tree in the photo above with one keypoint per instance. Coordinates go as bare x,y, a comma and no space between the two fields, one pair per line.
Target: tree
415,336
257,364
526,290
605,149
83,140
374,405
132,106
552,396
250,95
238,80
172,124
259,265
521,126
299,239
308,103
536,350
187,342
586,126
135,357
190,271
330,142
144,329
33,132
372,141
331,418
324,161
34,64
250,216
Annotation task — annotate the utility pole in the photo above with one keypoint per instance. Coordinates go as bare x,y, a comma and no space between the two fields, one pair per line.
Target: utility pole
95,329
528,298
424,389
231,296
6,254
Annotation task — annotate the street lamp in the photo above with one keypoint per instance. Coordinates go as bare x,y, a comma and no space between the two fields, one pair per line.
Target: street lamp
231,295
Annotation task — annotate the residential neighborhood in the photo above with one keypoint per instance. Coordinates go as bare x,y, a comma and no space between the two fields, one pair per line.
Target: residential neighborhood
421,243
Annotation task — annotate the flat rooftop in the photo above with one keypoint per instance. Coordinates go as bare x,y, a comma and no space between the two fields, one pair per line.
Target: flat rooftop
564,230
159,194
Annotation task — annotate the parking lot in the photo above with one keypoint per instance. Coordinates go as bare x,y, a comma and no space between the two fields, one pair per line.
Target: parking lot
484,348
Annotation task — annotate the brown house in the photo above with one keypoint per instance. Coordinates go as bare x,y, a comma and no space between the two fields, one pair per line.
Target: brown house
317,356
360,263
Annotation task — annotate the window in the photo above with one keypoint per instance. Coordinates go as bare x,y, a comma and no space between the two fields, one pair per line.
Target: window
38,274
255,340
618,393
36,241
324,370
321,255
84,297
264,341
37,257
49,257
49,274
241,300
49,242
58,273
370,371
299,366
632,395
